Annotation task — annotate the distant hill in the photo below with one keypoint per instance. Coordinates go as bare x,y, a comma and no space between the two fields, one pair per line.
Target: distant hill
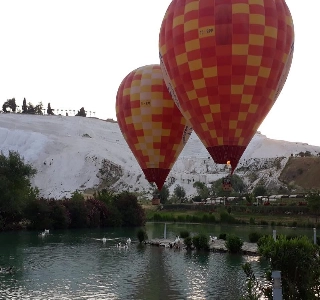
302,172
77,153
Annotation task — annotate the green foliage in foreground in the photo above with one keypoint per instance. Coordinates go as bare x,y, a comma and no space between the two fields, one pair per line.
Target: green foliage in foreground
297,259
15,188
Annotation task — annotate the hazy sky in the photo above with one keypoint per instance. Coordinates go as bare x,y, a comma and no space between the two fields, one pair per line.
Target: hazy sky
75,53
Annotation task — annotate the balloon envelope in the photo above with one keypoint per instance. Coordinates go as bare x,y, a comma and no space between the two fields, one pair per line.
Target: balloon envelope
225,62
150,122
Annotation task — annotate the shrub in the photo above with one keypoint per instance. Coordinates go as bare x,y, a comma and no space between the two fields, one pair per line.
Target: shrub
97,213
188,242
254,237
299,263
293,224
181,218
233,243
212,219
189,218
59,215
77,211
157,217
205,218
291,236
142,235
196,219
252,221
226,218
222,236
200,242
38,213
132,213
184,234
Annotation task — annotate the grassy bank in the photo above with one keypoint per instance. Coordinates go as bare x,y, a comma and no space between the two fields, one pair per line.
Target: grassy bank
284,216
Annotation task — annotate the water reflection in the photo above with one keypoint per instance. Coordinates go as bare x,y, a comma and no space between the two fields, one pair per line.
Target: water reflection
77,265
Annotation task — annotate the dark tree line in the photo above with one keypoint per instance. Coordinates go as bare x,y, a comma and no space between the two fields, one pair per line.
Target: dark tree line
29,108
21,207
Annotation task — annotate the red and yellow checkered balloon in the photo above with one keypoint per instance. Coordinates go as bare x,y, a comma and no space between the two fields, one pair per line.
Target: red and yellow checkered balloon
225,63
150,122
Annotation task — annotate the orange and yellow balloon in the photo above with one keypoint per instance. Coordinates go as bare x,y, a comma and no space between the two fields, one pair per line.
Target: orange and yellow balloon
150,122
225,63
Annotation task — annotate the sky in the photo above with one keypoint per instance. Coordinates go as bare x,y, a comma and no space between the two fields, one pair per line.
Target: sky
75,53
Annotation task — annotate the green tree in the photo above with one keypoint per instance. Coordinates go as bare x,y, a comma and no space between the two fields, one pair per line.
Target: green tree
218,187
179,192
164,194
81,112
131,211
38,213
202,189
259,190
77,209
313,199
15,187
238,185
24,106
10,103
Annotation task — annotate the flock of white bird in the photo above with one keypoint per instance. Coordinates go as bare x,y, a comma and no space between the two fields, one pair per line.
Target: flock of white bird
104,240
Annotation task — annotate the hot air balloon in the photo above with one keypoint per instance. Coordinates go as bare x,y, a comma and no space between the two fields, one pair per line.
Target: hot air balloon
150,122
225,63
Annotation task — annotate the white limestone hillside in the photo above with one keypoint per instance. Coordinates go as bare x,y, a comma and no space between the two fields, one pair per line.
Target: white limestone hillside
76,153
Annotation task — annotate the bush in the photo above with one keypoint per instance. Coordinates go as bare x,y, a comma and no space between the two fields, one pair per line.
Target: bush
293,224
184,234
291,236
234,244
188,242
200,242
142,235
263,222
157,217
59,215
226,218
38,213
77,211
132,213
205,218
299,263
252,221
181,218
196,219
222,236
212,219
254,237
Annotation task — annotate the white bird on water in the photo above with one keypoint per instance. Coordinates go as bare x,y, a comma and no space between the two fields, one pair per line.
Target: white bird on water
104,240
128,241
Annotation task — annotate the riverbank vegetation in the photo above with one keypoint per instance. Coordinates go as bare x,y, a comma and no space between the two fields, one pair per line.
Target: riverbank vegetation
292,216
22,208
298,260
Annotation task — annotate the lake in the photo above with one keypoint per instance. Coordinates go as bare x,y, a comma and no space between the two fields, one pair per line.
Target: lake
76,264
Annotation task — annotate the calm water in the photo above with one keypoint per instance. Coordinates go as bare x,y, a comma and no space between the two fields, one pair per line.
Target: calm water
77,265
